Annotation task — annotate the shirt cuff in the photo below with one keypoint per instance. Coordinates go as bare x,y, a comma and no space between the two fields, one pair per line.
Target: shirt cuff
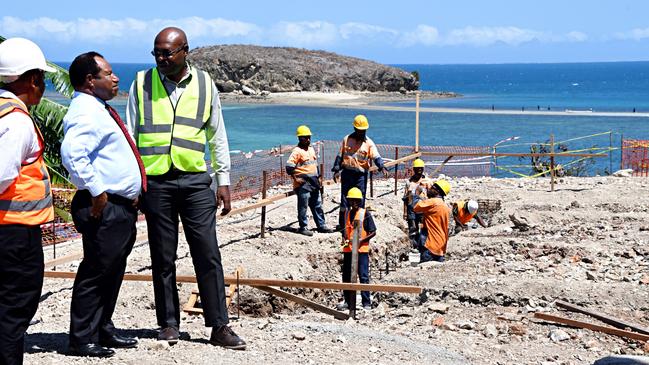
95,189
222,179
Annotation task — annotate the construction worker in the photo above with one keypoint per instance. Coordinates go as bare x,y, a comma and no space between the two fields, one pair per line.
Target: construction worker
434,234
367,232
409,195
302,166
175,113
25,195
353,161
463,212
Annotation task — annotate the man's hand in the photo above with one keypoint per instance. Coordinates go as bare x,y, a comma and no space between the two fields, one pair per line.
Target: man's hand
223,196
336,176
300,180
385,172
98,204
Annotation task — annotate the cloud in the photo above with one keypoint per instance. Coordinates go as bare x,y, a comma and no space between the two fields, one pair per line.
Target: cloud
308,34
360,30
485,36
636,34
423,34
305,34
101,30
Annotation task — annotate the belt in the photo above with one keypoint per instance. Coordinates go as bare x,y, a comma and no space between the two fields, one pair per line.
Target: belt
118,199
172,174
113,198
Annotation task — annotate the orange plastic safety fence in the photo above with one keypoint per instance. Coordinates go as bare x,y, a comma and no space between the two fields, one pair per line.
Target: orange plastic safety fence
635,156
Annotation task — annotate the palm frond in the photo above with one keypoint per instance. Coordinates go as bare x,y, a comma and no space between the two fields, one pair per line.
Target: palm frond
60,79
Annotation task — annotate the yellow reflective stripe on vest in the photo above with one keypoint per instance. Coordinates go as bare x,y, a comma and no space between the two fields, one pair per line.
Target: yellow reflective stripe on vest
168,134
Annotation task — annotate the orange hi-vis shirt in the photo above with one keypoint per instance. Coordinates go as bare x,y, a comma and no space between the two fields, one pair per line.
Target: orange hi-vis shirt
28,200
462,215
358,155
349,231
305,163
436,214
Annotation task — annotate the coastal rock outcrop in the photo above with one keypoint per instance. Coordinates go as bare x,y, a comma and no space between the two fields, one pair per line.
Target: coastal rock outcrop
253,69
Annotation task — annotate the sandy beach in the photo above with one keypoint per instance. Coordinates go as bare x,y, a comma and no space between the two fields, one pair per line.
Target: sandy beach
372,101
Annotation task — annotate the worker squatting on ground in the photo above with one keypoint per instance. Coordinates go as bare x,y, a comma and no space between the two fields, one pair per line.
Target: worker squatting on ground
367,232
353,163
413,219
107,170
174,112
25,194
434,234
302,166
463,212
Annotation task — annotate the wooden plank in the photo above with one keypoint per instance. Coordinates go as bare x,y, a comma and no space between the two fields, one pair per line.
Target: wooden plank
64,259
560,154
602,317
592,327
269,282
304,301
441,165
259,204
79,255
396,162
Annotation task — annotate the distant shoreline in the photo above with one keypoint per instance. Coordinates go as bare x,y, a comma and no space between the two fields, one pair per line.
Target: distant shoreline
368,101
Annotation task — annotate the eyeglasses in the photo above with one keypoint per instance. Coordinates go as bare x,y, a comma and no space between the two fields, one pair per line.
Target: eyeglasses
164,53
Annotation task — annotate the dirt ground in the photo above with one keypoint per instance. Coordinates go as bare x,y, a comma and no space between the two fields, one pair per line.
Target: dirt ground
586,243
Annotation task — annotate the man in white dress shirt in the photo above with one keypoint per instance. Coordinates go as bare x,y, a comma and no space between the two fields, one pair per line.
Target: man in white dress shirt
103,163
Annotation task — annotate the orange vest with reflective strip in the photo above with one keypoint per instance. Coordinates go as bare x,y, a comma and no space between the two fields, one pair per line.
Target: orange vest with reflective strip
304,162
349,231
357,155
28,200
462,215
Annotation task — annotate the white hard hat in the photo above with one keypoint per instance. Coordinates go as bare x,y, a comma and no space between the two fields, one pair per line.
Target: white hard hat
472,206
19,55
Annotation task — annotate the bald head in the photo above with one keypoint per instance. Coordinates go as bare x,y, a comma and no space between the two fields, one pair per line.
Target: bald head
171,35
170,51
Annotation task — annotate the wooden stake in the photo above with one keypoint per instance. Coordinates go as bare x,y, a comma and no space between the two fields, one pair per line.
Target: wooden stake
621,152
304,301
396,170
602,317
354,277
610,152
268,282
417,123
552,162
592,327
264,187
371,184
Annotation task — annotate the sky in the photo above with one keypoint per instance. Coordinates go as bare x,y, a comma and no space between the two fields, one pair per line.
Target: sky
392,32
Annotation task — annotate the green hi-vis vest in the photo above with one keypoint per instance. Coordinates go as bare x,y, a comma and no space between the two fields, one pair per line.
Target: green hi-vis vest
169,135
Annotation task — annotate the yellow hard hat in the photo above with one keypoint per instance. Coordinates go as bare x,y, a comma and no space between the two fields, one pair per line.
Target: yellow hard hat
444,186
303,131
354,193
360,122
418,163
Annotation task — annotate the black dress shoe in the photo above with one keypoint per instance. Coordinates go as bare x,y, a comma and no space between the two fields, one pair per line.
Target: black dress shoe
169,334
224,336
118,342
91,350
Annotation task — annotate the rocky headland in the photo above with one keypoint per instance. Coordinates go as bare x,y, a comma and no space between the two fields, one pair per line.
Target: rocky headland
256,70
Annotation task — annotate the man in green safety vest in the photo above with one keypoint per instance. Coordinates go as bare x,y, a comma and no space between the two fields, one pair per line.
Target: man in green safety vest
174,113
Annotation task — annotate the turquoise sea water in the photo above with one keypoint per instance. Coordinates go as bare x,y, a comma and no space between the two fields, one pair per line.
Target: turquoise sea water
618,86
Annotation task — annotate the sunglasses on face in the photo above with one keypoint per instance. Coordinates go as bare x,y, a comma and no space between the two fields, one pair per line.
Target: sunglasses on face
165,53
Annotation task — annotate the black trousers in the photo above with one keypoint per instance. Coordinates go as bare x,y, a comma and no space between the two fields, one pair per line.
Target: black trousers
107,242
189,196
21,281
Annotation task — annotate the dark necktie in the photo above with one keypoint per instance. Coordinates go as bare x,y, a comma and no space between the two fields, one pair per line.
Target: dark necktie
122,126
